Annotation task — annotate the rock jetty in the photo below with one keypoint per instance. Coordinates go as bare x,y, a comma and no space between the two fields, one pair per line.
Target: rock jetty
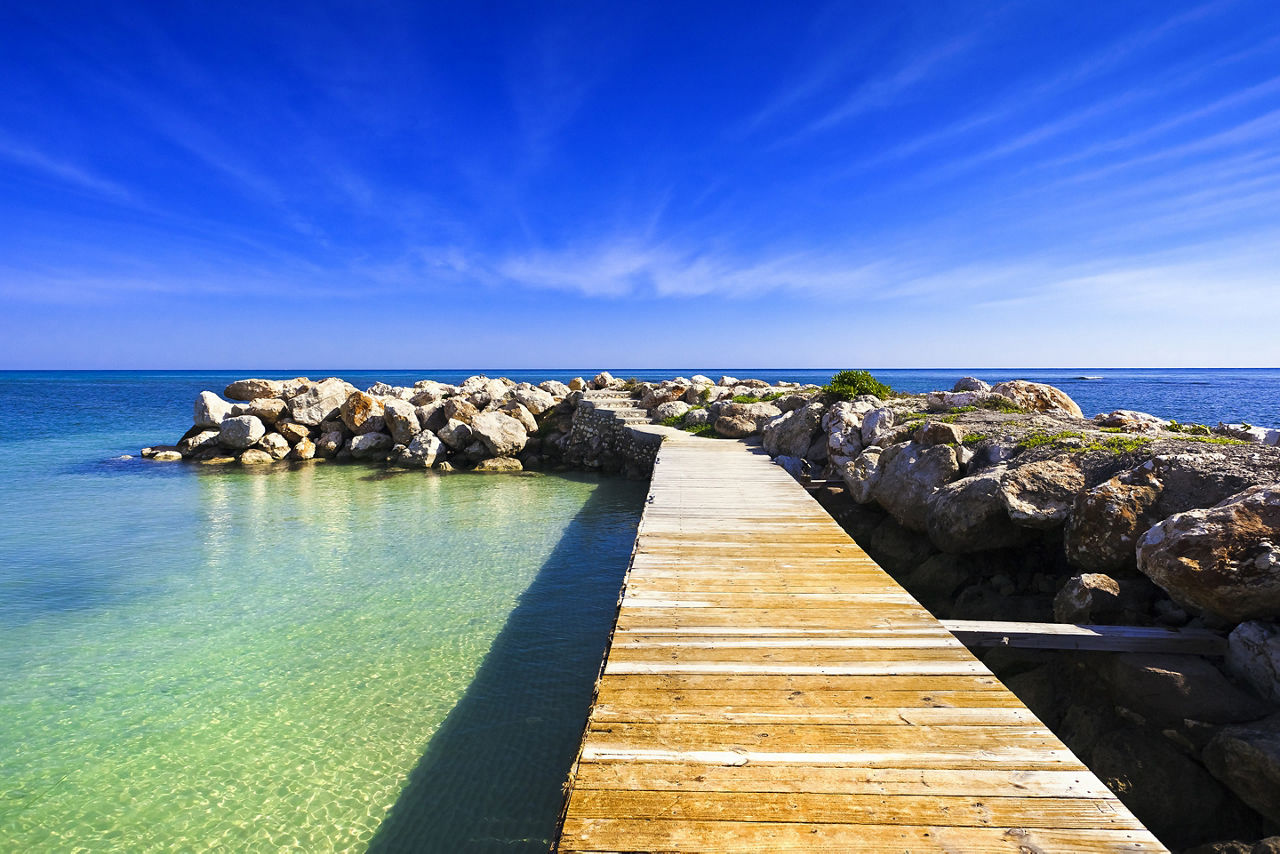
987,502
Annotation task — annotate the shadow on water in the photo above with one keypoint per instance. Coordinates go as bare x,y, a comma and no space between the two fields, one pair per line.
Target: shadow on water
491,777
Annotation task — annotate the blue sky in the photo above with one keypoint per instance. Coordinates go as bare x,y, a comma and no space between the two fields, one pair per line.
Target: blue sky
417,185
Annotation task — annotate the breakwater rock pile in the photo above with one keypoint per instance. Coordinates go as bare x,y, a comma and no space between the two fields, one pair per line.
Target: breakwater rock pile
987,502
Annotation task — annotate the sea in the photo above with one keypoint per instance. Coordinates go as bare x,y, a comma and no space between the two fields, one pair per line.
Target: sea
325,657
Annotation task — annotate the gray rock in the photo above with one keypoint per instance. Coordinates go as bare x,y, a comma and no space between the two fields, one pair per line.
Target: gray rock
498,465
293,431
303,449
696,418
254,388
970,384
1041,494
1247,759
518,411
501,435
875,422
555,389
1253,654
792,433
424,451
793,466
1243,432
381,389
459,409
431,416
369,445
604,379
456,434
267,409
1084,598
401,418
938,433
319,401
734,426
256,457
1168,689
968,515
670,409
194,442
862,475
1223,559
240,431
1130,421
909,477
329,443
534,399
275,445
1105,522
210,410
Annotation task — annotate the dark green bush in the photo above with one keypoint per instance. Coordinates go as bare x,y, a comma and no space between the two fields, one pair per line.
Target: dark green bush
847,385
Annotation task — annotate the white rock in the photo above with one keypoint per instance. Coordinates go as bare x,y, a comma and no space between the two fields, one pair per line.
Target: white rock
455,434
320,401
501,434
533,399
275,445
369,445
1253,654
240,432
210,410
401,418
874,422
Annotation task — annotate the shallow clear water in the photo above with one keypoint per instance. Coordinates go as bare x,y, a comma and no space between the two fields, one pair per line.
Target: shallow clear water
316,659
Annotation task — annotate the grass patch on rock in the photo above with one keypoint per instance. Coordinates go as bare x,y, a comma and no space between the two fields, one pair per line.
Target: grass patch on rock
847,385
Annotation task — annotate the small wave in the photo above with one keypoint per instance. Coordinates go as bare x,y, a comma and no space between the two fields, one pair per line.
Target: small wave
1088,378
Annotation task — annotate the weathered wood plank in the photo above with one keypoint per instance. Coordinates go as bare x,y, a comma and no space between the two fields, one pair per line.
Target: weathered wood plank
769,688
1098,638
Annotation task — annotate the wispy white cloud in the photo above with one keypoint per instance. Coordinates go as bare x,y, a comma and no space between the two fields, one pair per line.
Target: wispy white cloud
64,171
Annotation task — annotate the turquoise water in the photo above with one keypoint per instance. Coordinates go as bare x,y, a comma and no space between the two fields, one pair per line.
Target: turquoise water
321,659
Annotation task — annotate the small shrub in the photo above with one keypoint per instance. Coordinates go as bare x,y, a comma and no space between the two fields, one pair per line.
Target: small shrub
960,410
673,421
973,438
847,385
1191,429
1040,439
1119,444
705,430
999,403
1212,440
705,395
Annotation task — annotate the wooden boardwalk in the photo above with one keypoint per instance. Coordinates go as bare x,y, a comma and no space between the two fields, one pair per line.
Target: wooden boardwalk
769,688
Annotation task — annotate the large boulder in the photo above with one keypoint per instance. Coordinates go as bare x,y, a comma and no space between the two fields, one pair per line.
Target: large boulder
534,399
604,379
499,465
329,444
1130,421
210,410
1253,654
670,409
303,449
253,388
381,389
459,409
1168,689
197,440
1224,559
862,475
1041,494
734,426
319,401
968,515
358,409
555,388
1038,397
240,432
1247,759
293,431
267,409
792,433
501,434
401,418
517,410
875,424
971,384
910,476
275,445
424,450
256,457
456,434
369,445
1105,522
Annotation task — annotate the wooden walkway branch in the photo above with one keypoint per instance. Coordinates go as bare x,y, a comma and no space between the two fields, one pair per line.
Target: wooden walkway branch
769,688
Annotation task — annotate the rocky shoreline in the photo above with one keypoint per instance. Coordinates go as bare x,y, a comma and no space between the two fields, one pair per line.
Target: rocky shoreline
986,502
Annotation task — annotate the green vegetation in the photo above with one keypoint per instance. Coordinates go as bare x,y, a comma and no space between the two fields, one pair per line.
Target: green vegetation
960,410
1040,439
973,438
1192,429
746,398
914,416
1114,444
847,385
705,395
673,421
705,430
1212,440
999,403
1111,429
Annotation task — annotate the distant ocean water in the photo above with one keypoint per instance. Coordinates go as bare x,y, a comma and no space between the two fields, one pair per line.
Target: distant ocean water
328,658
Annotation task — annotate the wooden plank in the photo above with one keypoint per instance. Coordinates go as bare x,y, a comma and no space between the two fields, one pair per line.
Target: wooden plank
768,687
929,810
1100,638
738,837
